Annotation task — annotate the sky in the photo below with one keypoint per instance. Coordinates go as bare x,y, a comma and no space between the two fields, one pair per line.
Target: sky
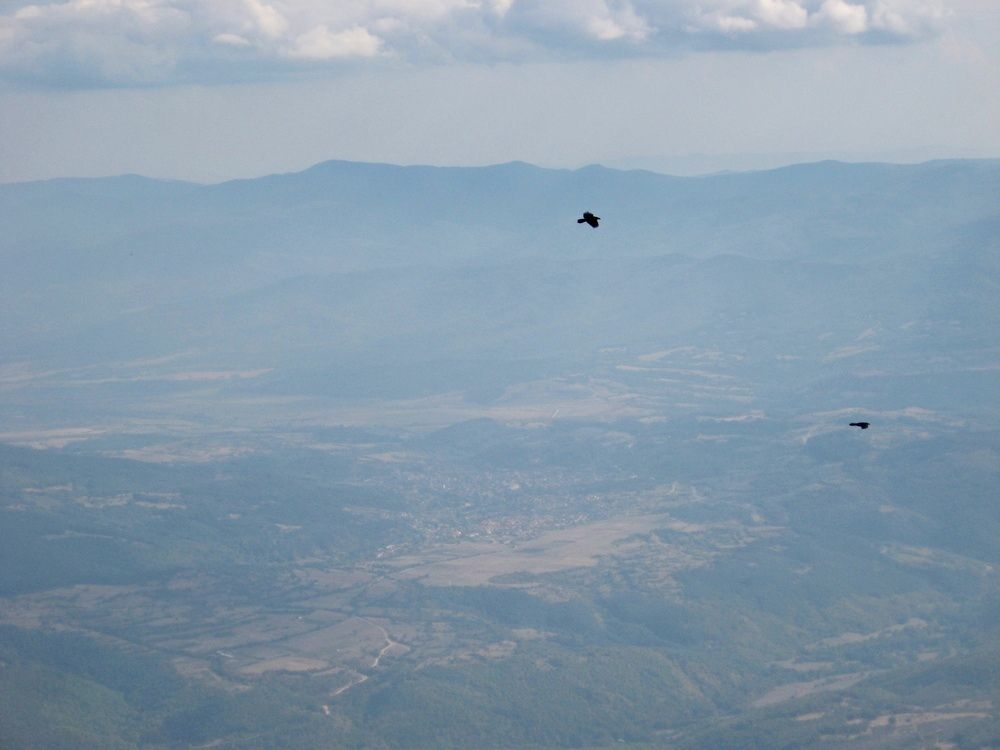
209,90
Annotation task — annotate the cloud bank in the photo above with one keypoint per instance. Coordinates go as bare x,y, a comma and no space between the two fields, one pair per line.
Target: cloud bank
141,42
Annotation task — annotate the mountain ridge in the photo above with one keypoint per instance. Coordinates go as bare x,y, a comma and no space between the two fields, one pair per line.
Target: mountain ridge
513,164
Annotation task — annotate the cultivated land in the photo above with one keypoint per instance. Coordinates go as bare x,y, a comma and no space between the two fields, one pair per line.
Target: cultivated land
478,559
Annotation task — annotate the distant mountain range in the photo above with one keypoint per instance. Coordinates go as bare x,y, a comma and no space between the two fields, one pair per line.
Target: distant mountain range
349,279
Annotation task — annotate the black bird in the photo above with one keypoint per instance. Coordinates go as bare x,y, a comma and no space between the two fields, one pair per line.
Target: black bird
589,218
862,425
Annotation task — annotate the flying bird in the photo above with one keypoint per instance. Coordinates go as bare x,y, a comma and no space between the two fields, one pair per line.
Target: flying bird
589,218
862,425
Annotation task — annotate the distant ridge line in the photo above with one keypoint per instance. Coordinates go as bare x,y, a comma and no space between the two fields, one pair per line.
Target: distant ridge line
508,166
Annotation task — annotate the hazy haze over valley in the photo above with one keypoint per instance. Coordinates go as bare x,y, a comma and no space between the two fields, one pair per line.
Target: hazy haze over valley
402,457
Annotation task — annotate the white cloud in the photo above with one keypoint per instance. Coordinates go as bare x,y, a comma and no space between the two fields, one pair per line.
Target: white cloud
501,7
268,21
93,40
842,16
322,44
723,22
233,40
102,42
619,23
907,18
780,14
744,16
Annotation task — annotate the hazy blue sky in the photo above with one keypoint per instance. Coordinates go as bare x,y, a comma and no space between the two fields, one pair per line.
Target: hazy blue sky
211,89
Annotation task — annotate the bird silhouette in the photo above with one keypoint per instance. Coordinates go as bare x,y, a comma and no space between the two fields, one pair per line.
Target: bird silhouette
589,218
862,425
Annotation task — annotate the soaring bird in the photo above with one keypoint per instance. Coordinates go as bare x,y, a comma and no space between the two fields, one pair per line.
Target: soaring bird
862,425
589,218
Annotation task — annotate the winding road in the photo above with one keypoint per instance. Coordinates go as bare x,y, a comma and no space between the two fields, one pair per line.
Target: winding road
358,677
